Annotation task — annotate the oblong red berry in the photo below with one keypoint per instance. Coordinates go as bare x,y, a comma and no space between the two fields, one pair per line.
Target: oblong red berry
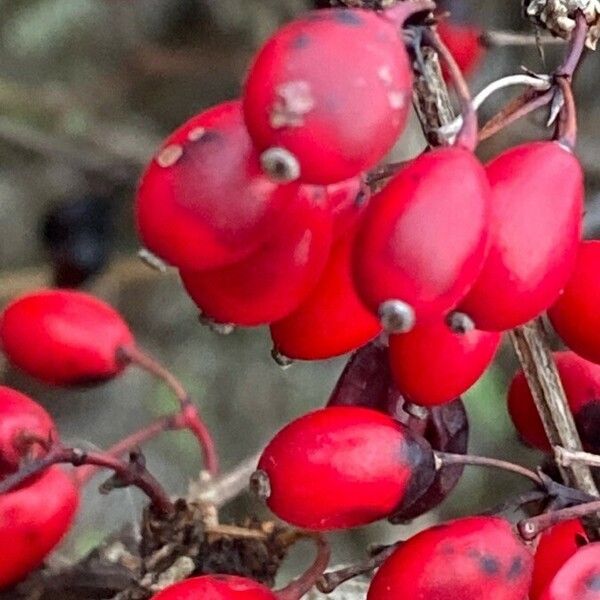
64,337
464,42
424,238
537,207
555,546
332,320
20,416
432,365
216,587
578,578
581,382
309,86
575,315
33,520
203,201
344,466
470,559
273,281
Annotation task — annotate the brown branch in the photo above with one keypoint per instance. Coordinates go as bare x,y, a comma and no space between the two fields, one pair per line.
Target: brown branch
126,474
497,38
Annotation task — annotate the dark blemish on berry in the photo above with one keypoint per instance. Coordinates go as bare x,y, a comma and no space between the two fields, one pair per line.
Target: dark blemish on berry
210,135
301,41
593,583
516,568
446,548
588,425
347,17
489,565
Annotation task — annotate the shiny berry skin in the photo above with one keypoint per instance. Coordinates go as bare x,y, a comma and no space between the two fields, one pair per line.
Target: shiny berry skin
203,201
347,201
273,281
33,520
64,337
464,42
575,315
556,545
216,587
578,578
424,238
333,88
20,416
537,207
432,365
581,382
466,559
344,466
332,320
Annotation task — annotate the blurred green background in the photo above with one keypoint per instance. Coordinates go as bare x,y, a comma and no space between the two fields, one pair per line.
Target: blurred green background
87,90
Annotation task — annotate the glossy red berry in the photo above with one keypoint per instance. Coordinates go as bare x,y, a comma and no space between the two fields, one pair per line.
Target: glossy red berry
578,578
464,42
537,206
575,315
20,416
344,466
33,520
216,587
203,201
555,547
310,84
433,365
581,381
424,238
273,281
470,559
64,337
332,320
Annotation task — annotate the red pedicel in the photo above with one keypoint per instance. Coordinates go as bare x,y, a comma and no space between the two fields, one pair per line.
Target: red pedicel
33,520
332,320
556,545
537,207
20,416
464,43
216,587
64,337
575,315
578,578
203,201
273,281
310,84
346,201
343,466
433,365
581,381
424,238
466,559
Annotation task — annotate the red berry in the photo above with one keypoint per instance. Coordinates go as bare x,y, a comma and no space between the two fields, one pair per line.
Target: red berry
344,466
464,42
575,315
556,545
433,365
581,381
537,204
216,587
424,238
578,578
332,320
203,201
466,559
332,88
33,520
346,201
64,337
20,416
273,281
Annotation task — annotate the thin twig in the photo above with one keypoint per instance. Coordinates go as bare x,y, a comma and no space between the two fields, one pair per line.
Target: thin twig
566,458
498,38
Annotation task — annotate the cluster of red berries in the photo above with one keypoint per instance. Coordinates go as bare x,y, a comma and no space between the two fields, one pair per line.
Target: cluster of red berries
263,205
